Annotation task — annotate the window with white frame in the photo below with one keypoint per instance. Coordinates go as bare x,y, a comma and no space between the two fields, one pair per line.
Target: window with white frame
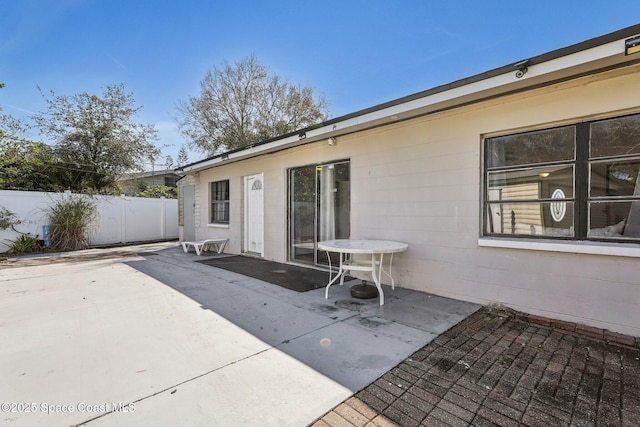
576,182
219,212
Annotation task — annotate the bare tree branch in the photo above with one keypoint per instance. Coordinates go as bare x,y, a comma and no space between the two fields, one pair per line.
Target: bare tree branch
242,104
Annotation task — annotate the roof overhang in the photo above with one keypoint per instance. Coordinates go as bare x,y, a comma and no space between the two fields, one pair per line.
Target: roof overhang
586,58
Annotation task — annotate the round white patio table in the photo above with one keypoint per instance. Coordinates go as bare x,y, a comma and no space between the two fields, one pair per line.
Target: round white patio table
375,248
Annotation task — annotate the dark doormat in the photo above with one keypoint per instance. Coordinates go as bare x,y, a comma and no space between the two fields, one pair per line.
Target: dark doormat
299,279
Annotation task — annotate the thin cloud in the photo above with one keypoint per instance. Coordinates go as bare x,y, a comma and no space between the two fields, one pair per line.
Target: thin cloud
117,62
19,109
168,134
167,126
28,21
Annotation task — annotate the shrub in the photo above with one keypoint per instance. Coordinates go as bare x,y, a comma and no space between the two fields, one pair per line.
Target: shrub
71,219
26,243
7,219
158,191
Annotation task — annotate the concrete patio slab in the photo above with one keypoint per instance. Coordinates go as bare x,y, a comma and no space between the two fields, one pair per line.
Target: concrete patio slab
331,350
188,344
267,389
101,332
430,313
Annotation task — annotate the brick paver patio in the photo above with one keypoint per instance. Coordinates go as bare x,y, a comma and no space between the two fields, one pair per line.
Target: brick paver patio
501,368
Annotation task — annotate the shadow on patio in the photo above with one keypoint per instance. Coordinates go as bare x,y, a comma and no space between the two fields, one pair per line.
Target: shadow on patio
191,344
427,360
351,341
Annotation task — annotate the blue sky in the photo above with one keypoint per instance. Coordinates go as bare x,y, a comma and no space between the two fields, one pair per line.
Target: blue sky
356,53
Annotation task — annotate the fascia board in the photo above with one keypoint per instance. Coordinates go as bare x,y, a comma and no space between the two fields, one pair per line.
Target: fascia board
241,155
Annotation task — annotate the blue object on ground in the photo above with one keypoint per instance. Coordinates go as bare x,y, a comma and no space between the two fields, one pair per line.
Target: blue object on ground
45,235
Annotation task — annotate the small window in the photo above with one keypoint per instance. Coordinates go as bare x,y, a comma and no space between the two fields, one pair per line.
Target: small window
614,179
170,181
219,202
530,184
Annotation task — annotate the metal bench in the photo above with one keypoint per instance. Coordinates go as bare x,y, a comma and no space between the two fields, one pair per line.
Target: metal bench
200,247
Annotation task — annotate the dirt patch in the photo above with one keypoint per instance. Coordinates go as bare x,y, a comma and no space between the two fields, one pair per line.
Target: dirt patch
58,259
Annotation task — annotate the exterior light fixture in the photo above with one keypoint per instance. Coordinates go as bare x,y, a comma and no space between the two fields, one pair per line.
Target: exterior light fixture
632,46
331,141
302,135
522,67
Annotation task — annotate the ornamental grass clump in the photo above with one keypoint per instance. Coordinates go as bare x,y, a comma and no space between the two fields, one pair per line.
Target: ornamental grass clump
71,221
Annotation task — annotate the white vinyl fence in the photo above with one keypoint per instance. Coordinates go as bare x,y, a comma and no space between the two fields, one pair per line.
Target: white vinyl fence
120,219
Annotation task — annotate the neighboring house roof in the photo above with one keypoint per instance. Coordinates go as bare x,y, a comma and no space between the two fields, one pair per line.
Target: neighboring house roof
147,174
581,59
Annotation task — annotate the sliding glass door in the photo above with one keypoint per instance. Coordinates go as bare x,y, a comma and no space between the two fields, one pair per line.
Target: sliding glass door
319,209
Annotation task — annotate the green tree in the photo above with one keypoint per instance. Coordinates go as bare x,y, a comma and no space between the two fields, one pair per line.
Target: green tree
183,157
242,104
97,135
158,191
24,164
168,162
1,132
35,166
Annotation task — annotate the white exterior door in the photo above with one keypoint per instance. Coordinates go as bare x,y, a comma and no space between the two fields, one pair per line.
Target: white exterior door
254,214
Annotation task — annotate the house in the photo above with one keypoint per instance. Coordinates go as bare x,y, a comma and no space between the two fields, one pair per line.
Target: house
518,186
133,183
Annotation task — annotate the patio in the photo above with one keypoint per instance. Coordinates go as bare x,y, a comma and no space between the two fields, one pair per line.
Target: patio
147,335
499,368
